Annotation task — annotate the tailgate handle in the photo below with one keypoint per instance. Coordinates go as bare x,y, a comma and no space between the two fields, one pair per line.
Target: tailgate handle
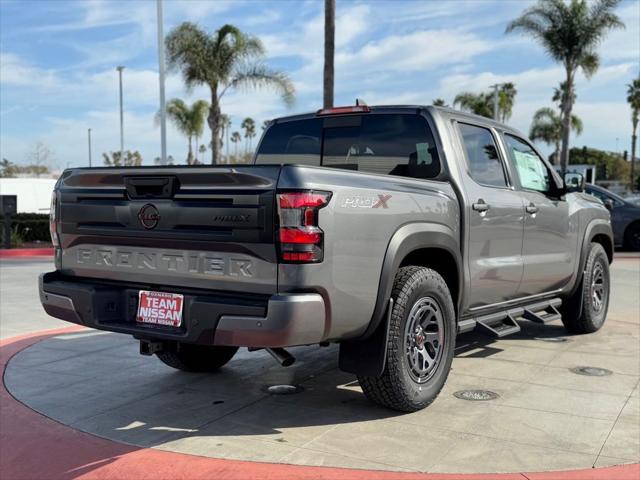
150,187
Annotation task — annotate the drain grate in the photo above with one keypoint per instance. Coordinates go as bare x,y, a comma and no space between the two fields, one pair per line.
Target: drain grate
476,395
283,389
591,371
552,339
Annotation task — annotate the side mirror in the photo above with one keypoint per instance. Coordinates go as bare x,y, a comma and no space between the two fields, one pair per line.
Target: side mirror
574,182
608,203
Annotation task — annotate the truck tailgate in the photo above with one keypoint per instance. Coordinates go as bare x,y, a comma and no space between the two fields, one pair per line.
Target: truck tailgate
198,227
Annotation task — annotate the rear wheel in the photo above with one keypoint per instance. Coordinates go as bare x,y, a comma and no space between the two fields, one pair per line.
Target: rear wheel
586,310
420,343
197,358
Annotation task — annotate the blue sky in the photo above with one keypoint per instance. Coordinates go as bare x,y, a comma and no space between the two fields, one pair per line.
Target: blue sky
58,58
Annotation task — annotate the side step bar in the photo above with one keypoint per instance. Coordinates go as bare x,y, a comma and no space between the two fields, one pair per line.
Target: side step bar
543,313
499,325
503,323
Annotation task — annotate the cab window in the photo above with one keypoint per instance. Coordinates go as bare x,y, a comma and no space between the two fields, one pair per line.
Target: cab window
484,163
388,144
532,172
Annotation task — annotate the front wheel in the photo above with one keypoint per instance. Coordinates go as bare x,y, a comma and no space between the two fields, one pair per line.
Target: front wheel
586,310
420,343
197,358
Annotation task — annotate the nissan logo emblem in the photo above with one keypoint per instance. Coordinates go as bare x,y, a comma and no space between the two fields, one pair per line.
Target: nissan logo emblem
149,216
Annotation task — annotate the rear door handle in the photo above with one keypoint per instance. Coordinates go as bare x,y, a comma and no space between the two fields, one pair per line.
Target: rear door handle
480,206
531,208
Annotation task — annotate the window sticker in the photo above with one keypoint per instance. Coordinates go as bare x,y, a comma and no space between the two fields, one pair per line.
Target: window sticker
530,170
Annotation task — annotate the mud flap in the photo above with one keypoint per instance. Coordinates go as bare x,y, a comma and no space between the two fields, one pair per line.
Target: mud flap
367,357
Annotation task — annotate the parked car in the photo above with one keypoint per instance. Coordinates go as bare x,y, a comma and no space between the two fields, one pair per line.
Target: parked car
625,217
635,199
388,230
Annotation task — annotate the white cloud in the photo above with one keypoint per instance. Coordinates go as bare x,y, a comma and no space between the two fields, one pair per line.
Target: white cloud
624,44
17,72
412,52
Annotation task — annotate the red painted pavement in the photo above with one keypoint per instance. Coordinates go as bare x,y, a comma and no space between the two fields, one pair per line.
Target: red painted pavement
26,252
33,446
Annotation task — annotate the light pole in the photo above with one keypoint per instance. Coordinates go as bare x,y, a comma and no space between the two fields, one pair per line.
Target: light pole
163,119
120,68
89,140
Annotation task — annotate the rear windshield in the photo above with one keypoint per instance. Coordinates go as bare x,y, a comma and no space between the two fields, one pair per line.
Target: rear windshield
391,144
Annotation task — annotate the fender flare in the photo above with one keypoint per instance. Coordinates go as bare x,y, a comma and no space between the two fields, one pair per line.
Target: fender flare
408,238
595,227
366,355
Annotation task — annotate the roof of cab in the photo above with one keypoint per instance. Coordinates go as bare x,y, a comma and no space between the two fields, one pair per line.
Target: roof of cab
444,111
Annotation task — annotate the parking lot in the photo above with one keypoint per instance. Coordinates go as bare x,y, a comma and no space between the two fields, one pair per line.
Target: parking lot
546,415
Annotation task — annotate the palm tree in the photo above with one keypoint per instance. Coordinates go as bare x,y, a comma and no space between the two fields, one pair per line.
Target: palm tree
189,120
480,104
223,61
202,150
235,138
633,97
249,126
506,97
225,124
122,159
547,127
329,51
439,102
570,33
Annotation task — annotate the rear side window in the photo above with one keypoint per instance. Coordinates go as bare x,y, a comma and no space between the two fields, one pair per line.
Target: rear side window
485,166
390,144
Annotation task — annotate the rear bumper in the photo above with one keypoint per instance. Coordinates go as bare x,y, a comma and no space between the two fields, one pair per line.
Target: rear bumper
209,318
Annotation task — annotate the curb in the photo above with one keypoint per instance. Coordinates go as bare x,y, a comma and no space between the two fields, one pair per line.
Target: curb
35,446
26,252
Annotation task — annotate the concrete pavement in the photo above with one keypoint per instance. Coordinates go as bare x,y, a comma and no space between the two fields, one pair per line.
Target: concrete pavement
20,309
545,417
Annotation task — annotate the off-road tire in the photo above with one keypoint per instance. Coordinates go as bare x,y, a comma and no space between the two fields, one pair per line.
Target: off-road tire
197,358
578,312
395,388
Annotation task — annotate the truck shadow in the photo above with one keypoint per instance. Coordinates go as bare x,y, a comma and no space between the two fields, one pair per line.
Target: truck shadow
142,402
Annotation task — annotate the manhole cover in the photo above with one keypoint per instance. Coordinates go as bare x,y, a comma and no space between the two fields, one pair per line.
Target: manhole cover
283,389
552,339
591,371
476,395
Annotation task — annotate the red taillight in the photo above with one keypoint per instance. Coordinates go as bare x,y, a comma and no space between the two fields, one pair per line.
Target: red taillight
302,199
300,238
343,110
299,257
309,235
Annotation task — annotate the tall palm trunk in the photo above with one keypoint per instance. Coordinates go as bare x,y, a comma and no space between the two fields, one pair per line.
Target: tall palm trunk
567,106
634,139
556,154
214,124
329,49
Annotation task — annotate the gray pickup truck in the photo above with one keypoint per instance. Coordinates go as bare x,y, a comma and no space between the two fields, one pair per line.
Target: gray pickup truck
388,230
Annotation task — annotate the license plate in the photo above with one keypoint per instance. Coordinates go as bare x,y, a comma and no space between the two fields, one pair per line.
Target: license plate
160,308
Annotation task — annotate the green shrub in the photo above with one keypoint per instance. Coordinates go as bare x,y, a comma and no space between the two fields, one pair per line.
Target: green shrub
29,227
16,239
